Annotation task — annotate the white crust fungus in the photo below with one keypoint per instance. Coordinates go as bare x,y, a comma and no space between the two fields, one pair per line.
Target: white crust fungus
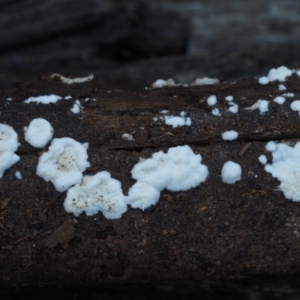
177,170
97,193
286,168
176,121
279,100
39,133
64,163
44,99
229,135
279,74
8,145
231,172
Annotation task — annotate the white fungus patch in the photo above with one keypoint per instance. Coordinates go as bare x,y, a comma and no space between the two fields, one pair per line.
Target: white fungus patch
164,111
262,159
231,172
9,99
229,135
262,105
43,99
39,133
279,74
8,146
286,168
216,112
97,193
281,87
64,163
279,100
18,175
76,107
160,83
205,81
295,105
177,121
68,97
177,170
212,100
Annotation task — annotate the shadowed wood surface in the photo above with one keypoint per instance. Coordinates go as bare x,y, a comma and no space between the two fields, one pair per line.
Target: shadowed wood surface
212,231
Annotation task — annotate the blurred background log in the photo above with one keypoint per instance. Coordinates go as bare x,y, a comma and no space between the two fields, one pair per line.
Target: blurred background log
129,44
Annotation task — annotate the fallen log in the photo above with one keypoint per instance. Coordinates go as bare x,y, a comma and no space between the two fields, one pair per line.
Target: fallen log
214,230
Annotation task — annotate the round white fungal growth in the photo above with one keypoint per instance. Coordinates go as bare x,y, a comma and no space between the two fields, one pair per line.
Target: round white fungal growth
97,193
295,105
44,99
262,159
142,195
39,133
212,100
279,100
64,163
281,87
230,135
177,170
286,168
231,172
176,121
8,145
18,175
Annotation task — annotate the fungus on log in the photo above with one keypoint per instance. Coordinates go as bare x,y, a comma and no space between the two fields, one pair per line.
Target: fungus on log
214,230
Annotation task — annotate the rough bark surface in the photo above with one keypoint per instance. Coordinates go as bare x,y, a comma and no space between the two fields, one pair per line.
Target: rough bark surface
212,231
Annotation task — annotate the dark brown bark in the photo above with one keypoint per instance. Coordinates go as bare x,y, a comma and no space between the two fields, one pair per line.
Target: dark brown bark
212,231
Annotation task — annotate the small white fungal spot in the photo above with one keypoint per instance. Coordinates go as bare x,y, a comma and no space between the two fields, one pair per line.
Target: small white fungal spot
281,87
262,159
212,100
230,135
39,133
18,175
279,100
295,105
231,172
68,97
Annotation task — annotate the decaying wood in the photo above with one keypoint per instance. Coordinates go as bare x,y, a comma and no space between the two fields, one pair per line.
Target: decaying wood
212,231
